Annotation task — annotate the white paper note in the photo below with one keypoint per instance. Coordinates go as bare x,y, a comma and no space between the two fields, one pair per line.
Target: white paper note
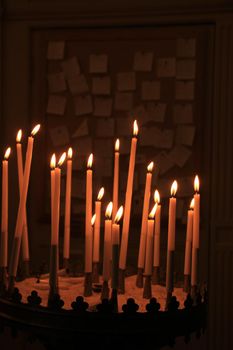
150,90
102,107
150,136
56,104
180,155
126,81
183,113
186,47
166,67
56,82
185,135
77,84
98,63
71,67
143,61
105,127
55,50
82,130
139,113
163,162
123,127
83,105
184,90
155,112
59,136
123,101
185,69
167,139
101,85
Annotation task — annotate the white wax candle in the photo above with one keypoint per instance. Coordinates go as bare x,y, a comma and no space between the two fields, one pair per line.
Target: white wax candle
56,206
116,178
128,200
149,248
142,245
96,244
66,248
156,261
107,243
188,243
115,247
88,227
52,183
196,228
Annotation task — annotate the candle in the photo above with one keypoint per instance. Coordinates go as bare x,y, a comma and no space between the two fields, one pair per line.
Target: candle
142,246
88,228
25,245
96,245
115,247
196,228
188,247
156,261
88,275
66,248
171,239
22,205
128,200
116,178
52,182
4,221
107,242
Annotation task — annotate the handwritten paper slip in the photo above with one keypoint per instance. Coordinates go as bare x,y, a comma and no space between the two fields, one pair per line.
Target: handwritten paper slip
180,155
83,105
55,50
103,148
101,85
102,107
184,90
186,47
151,136
143,61
83,145
183,113
56,105
77,84
166,67
98,63
56,82
82,130
126,81
167,139
105,127
185,69
163,162
123,101
155,112
123,126
138,112
59,136
71,67
185,135
150,90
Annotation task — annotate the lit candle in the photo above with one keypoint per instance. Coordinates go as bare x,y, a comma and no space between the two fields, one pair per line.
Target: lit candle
196,228
107,250
4,222
116,178
127,209
88,230
115,247
20,216
96,244
188,247
149,253
142,246
66,248
156,262
25,245
52,182
88,275
171,240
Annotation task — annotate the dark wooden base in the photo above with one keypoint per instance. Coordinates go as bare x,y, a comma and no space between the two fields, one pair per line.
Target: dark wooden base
95,273
147,291
139,280
88,284
155,279
121,282
105,291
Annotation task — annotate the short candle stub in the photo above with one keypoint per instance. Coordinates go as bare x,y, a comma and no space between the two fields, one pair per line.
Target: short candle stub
147,291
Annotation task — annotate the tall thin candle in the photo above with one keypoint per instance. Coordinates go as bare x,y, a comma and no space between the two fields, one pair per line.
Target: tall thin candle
116,178
188,247
196,233
96,245
107,250
156,261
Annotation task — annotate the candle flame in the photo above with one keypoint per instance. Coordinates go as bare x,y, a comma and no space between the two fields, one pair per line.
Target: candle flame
196,183
62,159
153,211
157,197
192,204
150,167
90,161
118,215
53,161
70,153
117,145
93,220
174,188
108,212
35,130
100,194
135,128
19,135
7,153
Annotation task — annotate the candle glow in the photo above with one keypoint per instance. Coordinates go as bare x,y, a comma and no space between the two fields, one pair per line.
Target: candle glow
93,220
35,130
70,153
100,194
19,136
90,161
118,215
174,188
108,212
7,153
150,167
196,184
192,204
62,159
157,197
117,145
153,211
135,128
53,161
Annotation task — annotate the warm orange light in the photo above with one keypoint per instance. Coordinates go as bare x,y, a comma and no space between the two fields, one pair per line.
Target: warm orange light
135,128
157,197
70,153
153,211
150,167
118,215
108,212
53,161
192,204
174,188
7,153
100,194
62,159
35,130
19,135
90,161
196,183
93,220
117,145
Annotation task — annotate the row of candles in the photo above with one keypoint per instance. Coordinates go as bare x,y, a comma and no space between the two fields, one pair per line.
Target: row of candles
115,248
